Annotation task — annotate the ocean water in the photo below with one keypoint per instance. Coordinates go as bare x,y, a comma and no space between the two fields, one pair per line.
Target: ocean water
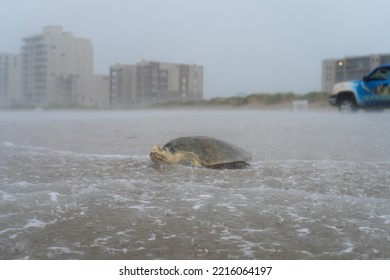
80,185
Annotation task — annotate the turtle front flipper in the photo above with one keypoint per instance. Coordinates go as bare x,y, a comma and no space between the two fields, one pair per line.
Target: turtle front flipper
188,159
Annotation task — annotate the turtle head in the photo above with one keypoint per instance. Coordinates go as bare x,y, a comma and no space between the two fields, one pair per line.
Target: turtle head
164,154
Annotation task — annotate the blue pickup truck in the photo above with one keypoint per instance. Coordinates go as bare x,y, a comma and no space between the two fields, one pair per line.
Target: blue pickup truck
370,93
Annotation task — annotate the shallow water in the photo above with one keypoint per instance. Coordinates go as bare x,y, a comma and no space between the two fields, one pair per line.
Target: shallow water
80,185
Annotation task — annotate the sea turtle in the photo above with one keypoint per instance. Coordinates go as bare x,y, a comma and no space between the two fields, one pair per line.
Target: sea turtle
201,151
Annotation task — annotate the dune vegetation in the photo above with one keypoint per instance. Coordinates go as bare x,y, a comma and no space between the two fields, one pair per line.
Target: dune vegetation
255,100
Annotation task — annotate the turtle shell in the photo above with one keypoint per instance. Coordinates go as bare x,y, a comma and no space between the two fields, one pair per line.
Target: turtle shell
211,152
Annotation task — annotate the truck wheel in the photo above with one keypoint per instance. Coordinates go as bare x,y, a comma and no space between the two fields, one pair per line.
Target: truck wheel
347,105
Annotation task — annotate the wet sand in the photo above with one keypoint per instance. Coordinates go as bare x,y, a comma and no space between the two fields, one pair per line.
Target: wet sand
80,185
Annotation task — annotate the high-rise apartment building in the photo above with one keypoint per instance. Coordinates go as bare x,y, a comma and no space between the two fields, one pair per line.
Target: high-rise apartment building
9,79
99,97
148,82
56,68
349,68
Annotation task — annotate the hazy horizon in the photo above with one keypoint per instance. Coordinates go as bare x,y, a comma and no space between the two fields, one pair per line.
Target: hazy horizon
244,46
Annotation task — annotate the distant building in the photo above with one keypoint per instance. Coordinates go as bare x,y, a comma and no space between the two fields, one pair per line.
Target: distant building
349,68
56,68
147,82
99,95
9,79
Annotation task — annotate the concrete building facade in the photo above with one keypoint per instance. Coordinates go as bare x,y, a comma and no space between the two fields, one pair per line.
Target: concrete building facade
56,68
9,79
99,97
149,82
349,68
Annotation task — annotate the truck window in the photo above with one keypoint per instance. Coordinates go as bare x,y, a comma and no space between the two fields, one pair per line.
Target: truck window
381,74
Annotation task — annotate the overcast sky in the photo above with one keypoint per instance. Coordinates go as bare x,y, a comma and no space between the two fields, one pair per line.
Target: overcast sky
245,46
